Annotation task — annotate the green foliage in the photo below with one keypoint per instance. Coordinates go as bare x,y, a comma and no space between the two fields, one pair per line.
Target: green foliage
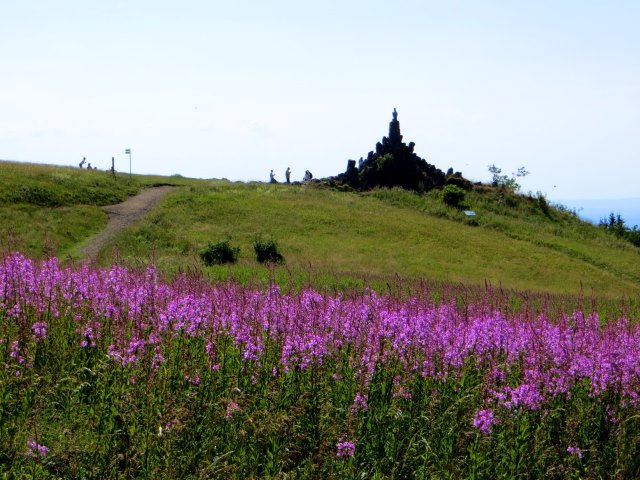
339,238
219,253
543,204
44,231
100,419
616,226
267,251
504,181
375,235
50,210
47,186
453,196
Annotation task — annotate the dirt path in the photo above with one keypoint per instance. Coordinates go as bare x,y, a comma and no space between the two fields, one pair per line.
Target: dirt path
124,214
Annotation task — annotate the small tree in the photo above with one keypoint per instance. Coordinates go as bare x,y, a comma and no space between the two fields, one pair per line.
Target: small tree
614,224
453,195
267,251
219,253
510,183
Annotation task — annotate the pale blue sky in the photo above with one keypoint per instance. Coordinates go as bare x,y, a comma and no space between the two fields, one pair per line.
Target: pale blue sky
234,89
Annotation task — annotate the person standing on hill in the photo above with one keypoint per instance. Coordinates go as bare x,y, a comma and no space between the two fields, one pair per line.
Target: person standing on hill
272,177
287,174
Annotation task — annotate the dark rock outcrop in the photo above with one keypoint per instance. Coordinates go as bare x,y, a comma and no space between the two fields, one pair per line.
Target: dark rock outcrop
393,164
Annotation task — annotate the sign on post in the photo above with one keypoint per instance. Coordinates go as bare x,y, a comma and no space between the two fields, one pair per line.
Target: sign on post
128,152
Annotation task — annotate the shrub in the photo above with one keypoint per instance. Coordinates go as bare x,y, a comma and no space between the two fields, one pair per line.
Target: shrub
267,251
453,195
37,195
544,205
219,253
503,181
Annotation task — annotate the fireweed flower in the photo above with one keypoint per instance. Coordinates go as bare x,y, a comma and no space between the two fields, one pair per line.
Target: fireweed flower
39,331
15,351
359,403
483,421
543,358
345,449
575,451
232,407
34,450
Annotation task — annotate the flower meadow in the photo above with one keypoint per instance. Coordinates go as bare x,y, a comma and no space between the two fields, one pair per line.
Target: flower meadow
119,373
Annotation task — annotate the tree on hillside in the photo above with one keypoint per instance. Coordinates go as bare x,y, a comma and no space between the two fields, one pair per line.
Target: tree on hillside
504,181
616,225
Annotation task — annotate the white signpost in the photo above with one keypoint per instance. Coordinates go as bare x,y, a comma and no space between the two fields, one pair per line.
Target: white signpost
128,152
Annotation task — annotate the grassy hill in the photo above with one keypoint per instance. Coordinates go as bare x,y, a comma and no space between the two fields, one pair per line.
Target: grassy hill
47,210
325,235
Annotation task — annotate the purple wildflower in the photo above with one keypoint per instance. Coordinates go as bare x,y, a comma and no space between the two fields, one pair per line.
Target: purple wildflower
483,420
359,403
15,351
345,449
39,330
35,450
575,451
232,407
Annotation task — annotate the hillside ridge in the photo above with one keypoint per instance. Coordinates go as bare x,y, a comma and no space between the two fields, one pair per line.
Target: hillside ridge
519,241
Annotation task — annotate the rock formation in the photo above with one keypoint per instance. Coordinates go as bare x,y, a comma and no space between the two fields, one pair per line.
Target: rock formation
394,164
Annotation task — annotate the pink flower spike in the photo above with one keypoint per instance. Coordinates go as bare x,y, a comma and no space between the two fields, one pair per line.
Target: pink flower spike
575,451
345,449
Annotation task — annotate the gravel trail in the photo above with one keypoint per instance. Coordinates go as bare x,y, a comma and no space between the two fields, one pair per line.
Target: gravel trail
124,214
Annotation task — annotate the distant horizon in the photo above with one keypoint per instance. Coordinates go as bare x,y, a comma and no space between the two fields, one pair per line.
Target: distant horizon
594,209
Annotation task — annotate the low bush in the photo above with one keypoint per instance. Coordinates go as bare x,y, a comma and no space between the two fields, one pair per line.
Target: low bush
453,196
219,253
544,205
267,251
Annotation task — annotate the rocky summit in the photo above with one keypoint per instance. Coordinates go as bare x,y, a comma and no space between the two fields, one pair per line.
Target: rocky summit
393,164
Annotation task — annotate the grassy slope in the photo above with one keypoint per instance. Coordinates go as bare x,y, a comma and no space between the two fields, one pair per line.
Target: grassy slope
385,233
48,210
322,233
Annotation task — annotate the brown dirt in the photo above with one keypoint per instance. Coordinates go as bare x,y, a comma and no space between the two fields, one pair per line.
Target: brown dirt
124,214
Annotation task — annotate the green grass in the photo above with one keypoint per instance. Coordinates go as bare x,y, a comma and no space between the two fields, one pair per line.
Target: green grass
47,210
383,235
45,231
327,237
104,420
125,385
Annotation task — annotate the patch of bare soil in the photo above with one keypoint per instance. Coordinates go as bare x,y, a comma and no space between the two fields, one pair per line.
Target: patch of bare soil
124,214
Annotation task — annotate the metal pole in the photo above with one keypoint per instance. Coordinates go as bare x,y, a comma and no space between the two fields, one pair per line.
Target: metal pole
128,151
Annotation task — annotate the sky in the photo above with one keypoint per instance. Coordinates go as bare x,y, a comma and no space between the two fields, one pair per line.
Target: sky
221,89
